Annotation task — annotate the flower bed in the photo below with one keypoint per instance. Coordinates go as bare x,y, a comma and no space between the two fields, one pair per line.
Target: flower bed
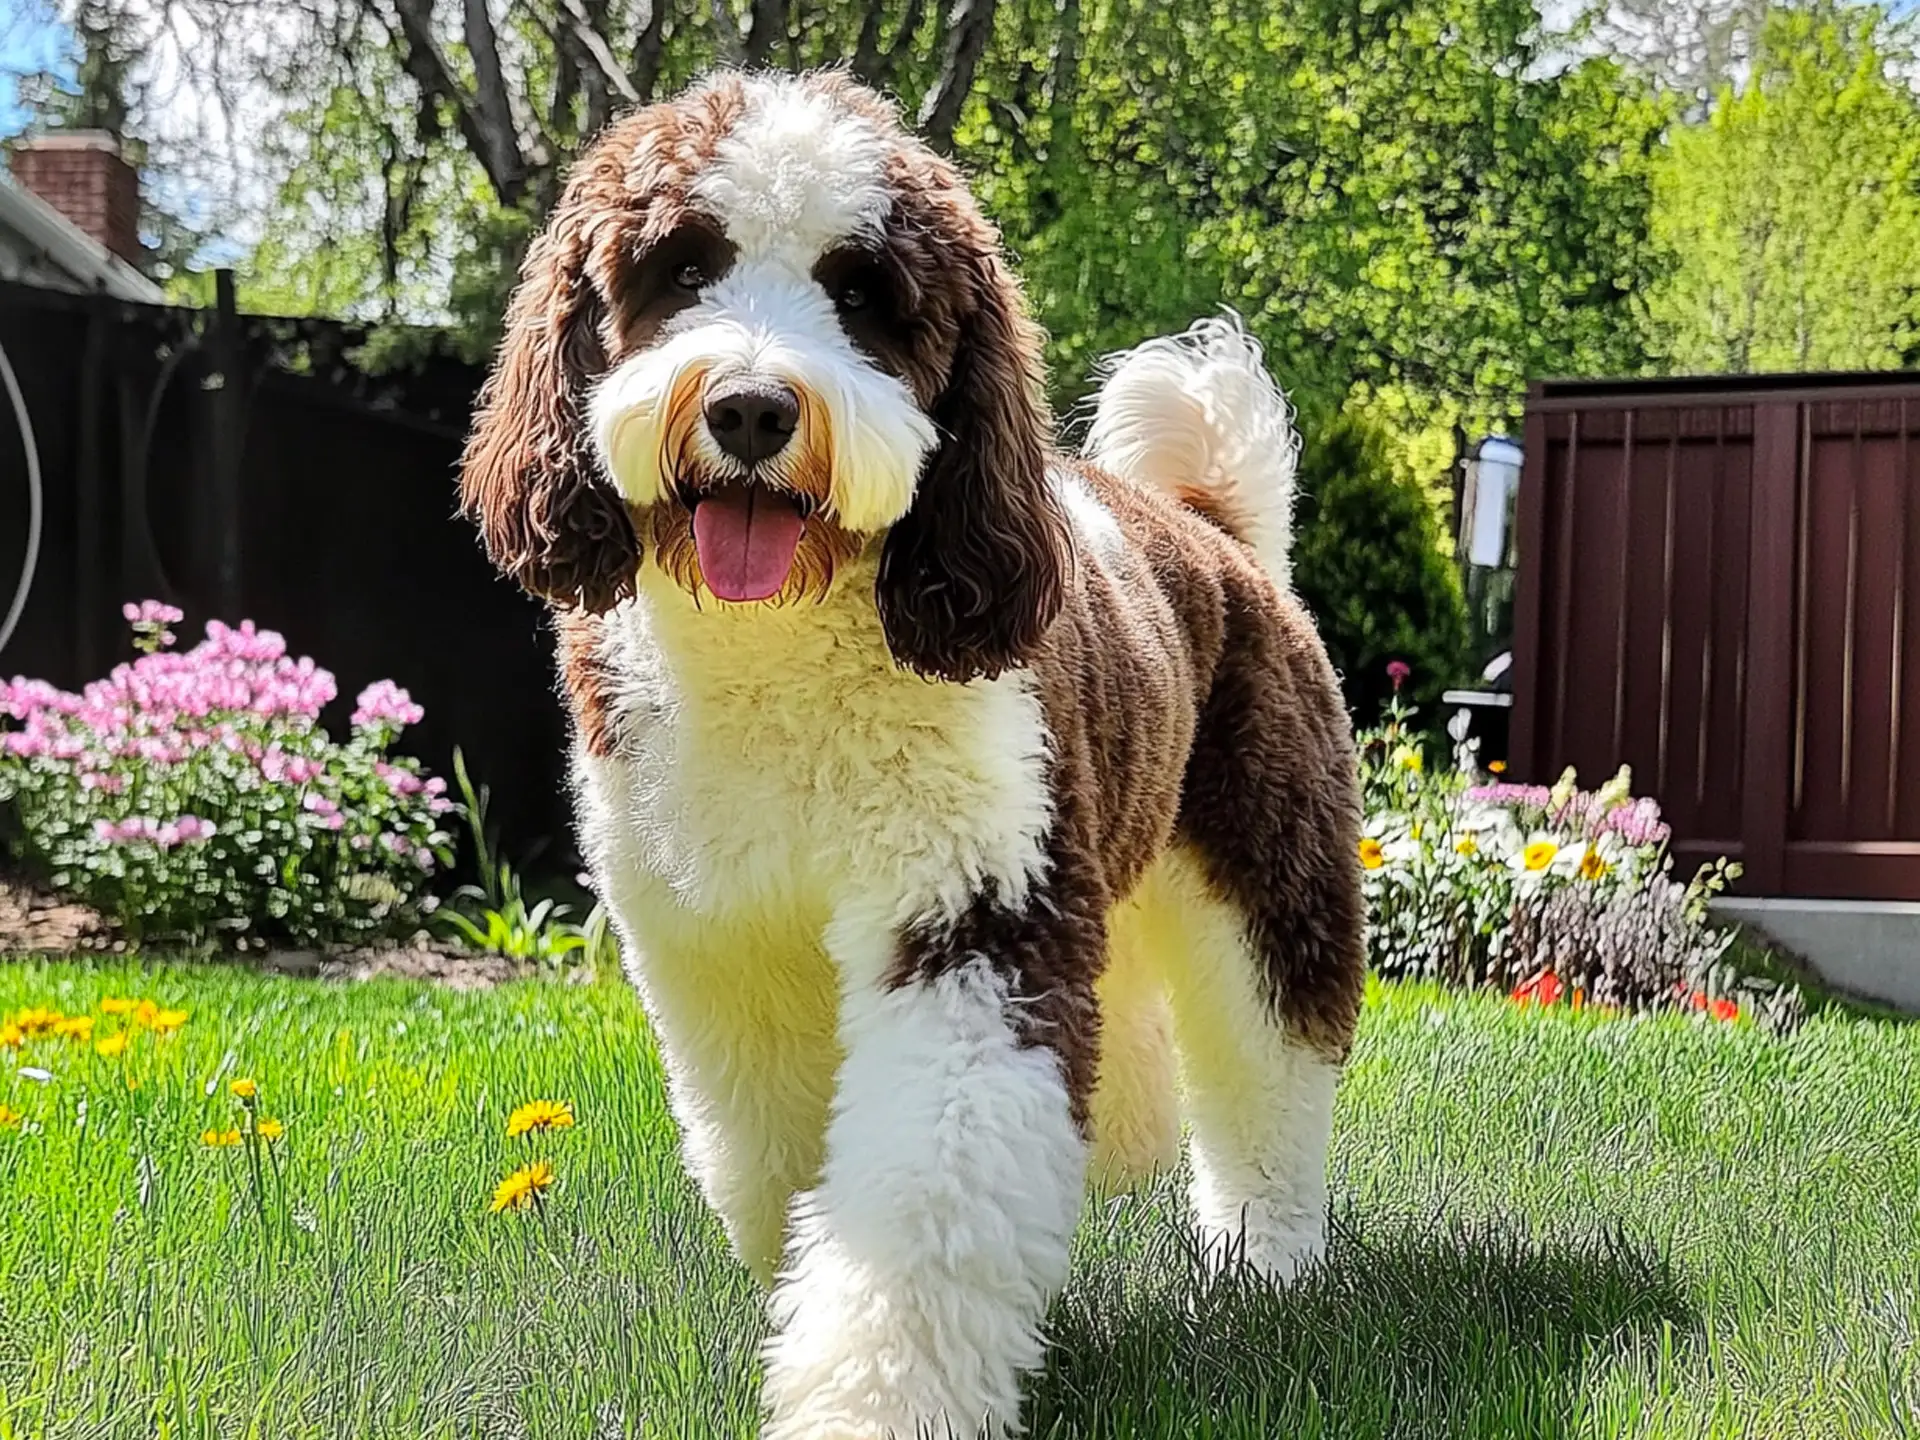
1552,894
193,796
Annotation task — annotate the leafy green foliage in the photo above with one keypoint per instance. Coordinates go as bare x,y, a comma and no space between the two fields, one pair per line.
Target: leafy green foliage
193,797
1795,208
1367,562
503,922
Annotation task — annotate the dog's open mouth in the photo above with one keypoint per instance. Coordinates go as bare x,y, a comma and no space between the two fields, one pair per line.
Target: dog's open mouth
746,536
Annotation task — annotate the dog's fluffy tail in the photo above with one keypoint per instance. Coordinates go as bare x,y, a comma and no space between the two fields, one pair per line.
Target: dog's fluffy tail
1197,415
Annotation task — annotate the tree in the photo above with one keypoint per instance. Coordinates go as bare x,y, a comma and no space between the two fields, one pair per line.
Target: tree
1795,208
1413,212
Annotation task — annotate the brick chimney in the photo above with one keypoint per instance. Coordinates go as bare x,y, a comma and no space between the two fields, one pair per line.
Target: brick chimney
81,174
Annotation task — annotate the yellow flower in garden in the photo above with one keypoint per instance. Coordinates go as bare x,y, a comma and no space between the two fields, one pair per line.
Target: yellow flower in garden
117,1005
10,1118
523,1187
38,1020
12,1036
112,1045
1592,867
1539,854
1466,845
1498,767
144,1012
1409,758
541,1115
165,1022
1372,854
78,1028
244,1089
269,1129
219,1139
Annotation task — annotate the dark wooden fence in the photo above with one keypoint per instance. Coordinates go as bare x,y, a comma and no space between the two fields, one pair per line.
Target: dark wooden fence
1718,585
244,467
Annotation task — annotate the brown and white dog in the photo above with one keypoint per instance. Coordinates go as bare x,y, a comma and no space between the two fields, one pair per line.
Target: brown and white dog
949,793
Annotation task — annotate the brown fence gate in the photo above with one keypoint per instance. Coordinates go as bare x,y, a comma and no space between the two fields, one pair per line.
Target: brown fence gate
1717,586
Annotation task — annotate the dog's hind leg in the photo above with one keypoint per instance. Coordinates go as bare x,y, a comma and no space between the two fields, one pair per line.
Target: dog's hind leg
1258,1097
1266,964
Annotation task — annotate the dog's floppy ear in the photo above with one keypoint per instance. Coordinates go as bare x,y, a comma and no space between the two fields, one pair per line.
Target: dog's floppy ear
530,476
974,574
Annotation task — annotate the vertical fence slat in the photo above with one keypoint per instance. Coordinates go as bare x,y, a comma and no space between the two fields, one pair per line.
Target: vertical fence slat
1900,483
1769,677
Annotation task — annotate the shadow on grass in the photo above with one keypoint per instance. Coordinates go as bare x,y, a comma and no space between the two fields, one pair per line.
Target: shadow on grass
1427,1334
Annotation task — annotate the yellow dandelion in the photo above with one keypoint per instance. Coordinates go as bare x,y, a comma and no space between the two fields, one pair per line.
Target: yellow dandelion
269,1129
117,1005
1592,867
219,1139
523,1187
12,1036
78,1029
38,1020
143,1012
10,1118
1466,845
1372,854
112,1045
541,1115
165,1022
1408,758
1539,854
244,1089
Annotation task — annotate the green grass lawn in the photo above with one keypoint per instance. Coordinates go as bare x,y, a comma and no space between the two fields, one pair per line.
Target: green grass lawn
1547,1225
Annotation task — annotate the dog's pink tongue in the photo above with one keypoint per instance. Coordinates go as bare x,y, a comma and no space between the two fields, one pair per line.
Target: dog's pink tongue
745,536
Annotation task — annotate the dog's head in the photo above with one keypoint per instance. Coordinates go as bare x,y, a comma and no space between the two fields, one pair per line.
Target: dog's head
763,329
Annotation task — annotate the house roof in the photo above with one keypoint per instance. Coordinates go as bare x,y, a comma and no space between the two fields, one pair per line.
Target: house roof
41,239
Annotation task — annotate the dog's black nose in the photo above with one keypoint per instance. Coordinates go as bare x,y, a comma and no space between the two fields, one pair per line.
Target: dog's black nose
752,420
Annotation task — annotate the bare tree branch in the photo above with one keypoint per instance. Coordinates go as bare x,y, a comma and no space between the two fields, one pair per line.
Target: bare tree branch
873,65
766,27
488,130
491,101
969,26
647,45
587,25
726,34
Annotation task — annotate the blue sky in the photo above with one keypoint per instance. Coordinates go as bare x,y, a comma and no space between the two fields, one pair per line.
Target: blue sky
33,41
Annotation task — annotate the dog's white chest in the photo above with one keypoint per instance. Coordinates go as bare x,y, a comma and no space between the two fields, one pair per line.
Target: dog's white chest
776,759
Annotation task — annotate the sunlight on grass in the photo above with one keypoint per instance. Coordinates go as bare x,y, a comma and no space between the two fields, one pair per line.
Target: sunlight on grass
1547,1224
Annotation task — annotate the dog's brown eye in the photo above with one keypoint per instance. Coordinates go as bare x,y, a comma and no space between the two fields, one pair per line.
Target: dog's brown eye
851,297
690,277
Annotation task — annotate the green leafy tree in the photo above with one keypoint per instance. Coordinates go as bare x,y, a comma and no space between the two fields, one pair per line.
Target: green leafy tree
1367,563
1795,208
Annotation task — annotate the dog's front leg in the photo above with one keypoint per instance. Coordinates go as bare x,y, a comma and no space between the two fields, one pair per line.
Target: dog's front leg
920,1268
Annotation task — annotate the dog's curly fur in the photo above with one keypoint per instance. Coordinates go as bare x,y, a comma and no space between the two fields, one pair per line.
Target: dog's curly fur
1030,781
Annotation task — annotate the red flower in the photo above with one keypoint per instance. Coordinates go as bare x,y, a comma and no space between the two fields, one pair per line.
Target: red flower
1546,988
1726,1010
1398,671
1698,999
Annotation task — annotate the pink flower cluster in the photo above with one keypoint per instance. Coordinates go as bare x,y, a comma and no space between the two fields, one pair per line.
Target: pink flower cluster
1637,822
405,782
151,612
186,830
243,670
385,703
